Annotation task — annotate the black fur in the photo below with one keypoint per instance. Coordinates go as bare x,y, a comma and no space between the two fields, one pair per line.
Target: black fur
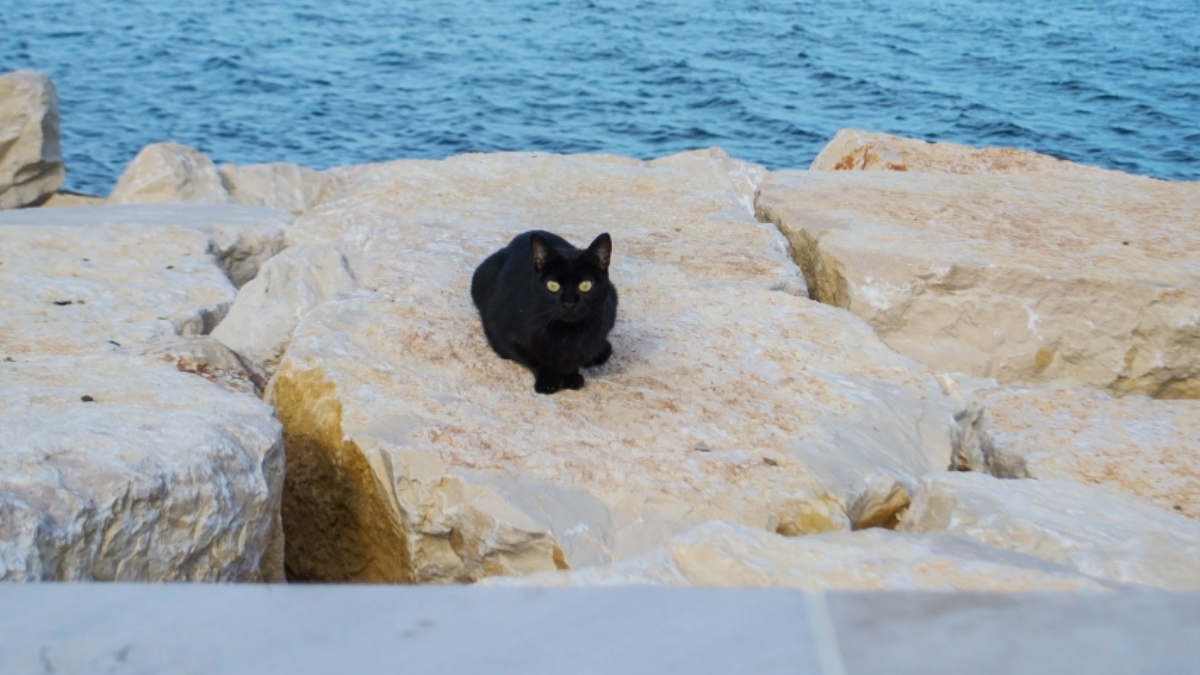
552,333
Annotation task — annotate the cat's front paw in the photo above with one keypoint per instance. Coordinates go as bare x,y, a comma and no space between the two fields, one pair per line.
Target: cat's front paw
573,381
547,383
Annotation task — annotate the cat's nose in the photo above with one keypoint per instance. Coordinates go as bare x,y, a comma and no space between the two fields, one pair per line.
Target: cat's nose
569,301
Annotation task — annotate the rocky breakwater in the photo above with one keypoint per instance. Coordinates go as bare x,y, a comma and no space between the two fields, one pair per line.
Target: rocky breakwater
745,432
1002,263
415,454
132,446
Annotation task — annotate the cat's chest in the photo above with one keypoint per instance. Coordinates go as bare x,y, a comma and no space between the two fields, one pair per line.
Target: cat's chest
567,338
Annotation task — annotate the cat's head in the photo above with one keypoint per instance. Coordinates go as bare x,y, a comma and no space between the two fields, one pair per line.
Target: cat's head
572,284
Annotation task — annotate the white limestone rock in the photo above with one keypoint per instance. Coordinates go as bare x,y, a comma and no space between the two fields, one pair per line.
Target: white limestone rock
287,187
116,467
31,161
723,554
1068,277
242,237
260,322
170,173
416,454
858,150
131,447
1134,445
1097,532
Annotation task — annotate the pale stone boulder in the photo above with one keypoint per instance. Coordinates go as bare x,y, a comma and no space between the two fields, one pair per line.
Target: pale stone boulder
724,554
241,237
1097,532
170,173
858,150
1141,447
287,187
416,454
117,467
31,161
131,447
1048,277
260,322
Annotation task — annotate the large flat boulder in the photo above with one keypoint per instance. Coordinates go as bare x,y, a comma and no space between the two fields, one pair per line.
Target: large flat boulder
241,237
31,161
117,467
1098,532
415,454
858,150
1141,447
722,554
1050,277
77,290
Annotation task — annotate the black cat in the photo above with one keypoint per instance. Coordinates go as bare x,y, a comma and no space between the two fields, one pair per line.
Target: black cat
548,306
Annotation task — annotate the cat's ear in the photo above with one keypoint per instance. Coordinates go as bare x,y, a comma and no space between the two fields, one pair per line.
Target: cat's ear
601,251
541,251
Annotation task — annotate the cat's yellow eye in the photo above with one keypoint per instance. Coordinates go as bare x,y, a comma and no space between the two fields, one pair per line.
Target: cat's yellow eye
585,286
553,286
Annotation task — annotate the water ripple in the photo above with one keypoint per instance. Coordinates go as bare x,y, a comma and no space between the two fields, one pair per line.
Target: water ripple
1110,83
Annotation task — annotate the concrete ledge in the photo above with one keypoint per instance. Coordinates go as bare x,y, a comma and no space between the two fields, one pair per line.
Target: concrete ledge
118,628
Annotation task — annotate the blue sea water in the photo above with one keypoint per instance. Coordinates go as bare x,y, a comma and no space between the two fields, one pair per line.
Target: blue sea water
321,83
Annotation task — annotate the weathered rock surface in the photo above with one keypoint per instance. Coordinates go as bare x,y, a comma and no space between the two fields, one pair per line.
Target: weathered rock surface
858,150
77,290
131,447
415,454
1141,447
210,359
68,198
260,322
120,468
31,161
241,237
170,173
1097,532
1078,279
288,187
722,554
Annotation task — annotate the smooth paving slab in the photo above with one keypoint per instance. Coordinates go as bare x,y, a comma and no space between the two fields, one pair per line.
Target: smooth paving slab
124,629
1127,633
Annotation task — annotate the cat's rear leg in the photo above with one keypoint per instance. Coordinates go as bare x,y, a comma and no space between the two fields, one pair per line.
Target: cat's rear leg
549,381
601,358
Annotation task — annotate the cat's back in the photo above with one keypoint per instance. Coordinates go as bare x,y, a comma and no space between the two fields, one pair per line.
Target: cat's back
484,278
501,273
